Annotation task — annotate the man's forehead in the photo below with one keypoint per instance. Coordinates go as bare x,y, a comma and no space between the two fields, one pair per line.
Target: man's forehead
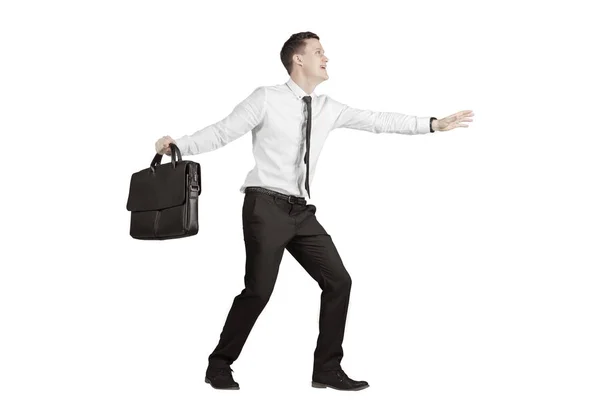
314,45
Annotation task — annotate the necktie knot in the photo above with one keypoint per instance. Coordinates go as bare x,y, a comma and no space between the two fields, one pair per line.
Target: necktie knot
307,99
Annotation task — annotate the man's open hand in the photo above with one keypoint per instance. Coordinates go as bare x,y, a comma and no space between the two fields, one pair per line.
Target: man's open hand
453,121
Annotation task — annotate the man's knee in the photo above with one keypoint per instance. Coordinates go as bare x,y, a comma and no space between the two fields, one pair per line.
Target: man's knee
263,297
341,281
260,293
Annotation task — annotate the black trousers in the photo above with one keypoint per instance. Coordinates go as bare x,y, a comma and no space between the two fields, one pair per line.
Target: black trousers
272,225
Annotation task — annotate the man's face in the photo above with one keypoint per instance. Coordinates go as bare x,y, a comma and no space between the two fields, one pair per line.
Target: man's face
314,61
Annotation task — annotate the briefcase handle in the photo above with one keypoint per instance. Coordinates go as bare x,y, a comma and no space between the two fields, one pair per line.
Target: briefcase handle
175,153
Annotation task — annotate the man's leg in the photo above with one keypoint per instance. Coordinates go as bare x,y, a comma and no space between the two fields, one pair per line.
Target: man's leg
267,229
313,248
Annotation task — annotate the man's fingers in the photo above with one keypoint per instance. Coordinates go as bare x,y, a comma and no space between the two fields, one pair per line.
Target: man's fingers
461,114
162,145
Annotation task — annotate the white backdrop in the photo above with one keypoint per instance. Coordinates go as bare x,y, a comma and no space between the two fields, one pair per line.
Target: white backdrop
473,253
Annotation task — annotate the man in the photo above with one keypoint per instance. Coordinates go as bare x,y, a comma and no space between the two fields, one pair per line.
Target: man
289,125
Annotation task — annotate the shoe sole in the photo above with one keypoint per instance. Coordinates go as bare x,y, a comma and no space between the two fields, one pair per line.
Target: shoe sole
225,388
323,386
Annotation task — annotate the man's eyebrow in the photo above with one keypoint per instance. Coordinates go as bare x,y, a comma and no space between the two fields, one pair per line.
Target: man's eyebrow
318,48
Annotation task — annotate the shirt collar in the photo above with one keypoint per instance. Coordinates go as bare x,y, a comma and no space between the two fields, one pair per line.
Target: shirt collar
297,90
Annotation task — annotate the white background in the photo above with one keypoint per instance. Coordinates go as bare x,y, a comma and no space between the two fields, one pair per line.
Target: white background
473,252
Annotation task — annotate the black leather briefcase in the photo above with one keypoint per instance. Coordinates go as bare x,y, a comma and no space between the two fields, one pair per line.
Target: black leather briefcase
163,199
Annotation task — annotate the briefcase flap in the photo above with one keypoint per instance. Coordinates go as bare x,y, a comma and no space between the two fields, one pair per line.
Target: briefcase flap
162,188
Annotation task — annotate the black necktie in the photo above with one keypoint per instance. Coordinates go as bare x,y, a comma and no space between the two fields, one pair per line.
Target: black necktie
307,100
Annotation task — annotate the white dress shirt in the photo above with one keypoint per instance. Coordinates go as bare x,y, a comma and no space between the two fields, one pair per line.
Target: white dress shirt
276,115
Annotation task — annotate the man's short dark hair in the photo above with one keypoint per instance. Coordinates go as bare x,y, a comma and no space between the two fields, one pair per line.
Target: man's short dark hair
294,45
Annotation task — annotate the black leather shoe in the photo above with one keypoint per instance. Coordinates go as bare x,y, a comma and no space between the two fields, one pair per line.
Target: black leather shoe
337,379
220,378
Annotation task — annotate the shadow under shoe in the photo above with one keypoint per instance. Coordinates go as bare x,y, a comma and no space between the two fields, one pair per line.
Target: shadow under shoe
221,378
337,379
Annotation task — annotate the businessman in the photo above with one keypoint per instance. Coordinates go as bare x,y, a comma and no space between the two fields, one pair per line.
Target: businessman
289,124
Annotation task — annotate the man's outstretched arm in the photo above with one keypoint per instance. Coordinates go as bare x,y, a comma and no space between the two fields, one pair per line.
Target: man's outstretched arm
393,122
379,121
244,117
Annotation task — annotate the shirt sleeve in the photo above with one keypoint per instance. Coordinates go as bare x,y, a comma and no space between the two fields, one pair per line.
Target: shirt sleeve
244,117
377,121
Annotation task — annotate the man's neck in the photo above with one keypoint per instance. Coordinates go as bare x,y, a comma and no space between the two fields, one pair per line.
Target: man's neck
304,83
